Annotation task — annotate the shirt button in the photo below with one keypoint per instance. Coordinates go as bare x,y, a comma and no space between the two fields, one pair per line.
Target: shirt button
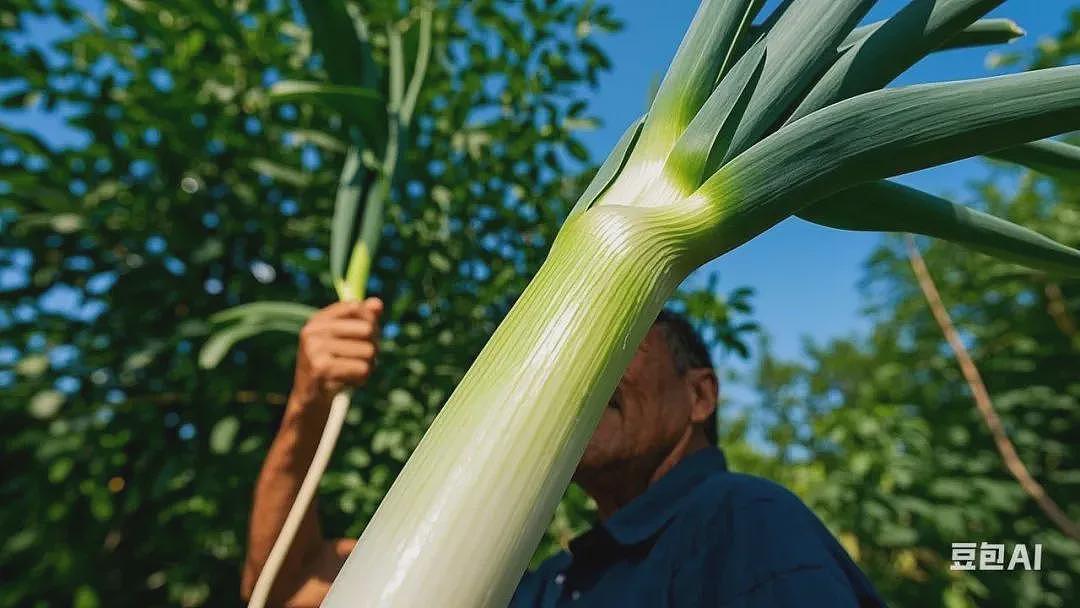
560,578
575,595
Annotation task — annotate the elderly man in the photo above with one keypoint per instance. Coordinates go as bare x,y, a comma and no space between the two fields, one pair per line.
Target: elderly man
676,527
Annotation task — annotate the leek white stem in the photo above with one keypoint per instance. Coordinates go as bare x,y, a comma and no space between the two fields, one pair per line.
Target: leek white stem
461,521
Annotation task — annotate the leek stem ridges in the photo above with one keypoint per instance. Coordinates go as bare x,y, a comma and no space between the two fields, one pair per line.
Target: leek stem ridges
551,367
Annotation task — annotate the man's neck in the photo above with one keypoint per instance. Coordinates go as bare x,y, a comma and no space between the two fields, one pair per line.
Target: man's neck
614,488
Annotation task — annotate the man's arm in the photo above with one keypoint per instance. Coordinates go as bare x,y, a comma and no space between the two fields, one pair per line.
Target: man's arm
337,349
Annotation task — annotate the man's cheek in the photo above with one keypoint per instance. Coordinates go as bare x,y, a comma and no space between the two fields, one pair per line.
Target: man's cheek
608,427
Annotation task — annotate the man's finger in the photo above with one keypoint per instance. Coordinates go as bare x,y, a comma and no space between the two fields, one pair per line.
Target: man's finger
349,371
339,310
353,349
372,309
351,328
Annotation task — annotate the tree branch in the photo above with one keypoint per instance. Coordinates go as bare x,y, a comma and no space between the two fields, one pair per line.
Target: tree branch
982,398
1055,306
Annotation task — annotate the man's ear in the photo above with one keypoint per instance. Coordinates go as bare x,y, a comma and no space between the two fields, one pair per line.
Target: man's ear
704,388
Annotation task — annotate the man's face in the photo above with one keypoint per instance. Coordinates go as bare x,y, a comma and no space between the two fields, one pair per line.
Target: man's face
650,412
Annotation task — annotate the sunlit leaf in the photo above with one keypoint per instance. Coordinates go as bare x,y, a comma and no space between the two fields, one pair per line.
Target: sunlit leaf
46,404
362,107
223,434
280,172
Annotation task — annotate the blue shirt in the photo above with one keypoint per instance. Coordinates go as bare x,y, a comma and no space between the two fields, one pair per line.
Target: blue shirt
701,536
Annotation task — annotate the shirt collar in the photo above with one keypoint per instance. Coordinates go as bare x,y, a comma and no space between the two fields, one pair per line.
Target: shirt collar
644,516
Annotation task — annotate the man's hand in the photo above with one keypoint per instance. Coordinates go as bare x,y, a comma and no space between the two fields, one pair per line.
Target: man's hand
337,349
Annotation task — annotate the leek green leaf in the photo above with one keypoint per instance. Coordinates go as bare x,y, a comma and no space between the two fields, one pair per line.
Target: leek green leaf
367,241
611,167
419,60
1054,158
346,212
260,311
220,342
886,133
800,46
246,320
890,48
984,32
891,207
709,135
770,22
702,55
654,87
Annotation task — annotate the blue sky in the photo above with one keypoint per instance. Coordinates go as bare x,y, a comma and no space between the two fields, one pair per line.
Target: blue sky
805,276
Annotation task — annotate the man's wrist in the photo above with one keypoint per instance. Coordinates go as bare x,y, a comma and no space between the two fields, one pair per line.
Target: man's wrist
308,405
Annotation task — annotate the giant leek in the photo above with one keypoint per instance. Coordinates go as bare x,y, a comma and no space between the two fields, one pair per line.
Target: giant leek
751,125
